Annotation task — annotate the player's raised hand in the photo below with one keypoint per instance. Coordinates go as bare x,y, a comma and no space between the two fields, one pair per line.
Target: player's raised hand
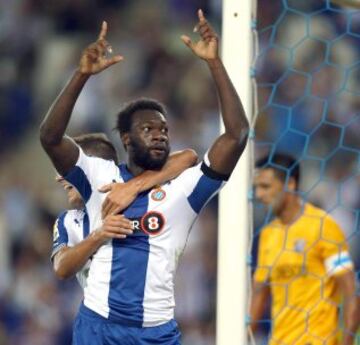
207,47
93,59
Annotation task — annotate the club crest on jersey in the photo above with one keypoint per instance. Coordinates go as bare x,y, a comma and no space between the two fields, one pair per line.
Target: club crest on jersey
158,194
299,245
152,223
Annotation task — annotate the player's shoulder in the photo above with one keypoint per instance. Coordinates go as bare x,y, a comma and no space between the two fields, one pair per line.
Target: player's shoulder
318,214
103,164
200,169
60,219
268,228
311,210
69,218
75,214
94,161
188,174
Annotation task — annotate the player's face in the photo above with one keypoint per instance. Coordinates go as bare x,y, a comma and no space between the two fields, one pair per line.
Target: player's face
74,197
149,140
269,189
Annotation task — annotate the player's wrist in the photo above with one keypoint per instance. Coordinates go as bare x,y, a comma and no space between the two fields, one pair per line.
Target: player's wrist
97,237
214,63
137,185
81,74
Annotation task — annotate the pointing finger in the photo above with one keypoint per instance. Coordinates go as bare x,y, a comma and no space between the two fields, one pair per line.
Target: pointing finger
103,31
201,16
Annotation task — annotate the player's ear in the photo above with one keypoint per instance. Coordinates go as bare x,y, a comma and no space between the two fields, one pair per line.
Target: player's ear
125,138
291,184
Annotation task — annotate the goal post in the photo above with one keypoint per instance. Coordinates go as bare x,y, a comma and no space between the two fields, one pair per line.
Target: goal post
234,215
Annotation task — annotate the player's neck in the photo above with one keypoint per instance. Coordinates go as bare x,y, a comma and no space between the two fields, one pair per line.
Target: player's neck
291,210
134,168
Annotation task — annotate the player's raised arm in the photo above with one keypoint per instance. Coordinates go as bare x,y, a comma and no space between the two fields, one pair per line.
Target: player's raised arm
61,149
228,148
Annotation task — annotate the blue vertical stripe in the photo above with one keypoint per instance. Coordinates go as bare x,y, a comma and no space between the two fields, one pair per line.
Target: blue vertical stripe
63,234
129,267
202,192
86,227
79,180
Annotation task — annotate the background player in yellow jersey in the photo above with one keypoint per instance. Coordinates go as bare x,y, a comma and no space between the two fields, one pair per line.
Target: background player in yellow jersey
303,264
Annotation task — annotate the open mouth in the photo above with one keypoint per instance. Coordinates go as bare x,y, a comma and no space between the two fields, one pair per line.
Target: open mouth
158,150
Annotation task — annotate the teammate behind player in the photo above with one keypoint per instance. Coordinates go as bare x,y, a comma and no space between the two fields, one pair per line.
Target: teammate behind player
72,247
303,264
129,298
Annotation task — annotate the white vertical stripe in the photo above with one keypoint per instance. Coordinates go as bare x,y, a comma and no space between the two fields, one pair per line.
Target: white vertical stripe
96,292
165,249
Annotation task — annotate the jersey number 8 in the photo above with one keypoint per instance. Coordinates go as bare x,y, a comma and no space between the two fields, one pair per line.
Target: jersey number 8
152,223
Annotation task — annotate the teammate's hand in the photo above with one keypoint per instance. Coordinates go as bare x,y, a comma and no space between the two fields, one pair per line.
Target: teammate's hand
114,227
207,47
120,196
93,59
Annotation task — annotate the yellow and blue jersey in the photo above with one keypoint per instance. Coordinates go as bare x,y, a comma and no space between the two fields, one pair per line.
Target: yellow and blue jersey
300,261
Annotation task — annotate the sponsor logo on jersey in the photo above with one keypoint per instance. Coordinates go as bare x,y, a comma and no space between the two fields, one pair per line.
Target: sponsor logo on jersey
158,194
151,223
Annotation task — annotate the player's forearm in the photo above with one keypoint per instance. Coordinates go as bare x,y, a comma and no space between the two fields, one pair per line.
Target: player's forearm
259,300
346,285
351,321
233,114
257,310
53,127
175,165
70,260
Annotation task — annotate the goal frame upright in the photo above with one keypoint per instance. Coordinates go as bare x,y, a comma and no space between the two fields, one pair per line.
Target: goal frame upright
234,210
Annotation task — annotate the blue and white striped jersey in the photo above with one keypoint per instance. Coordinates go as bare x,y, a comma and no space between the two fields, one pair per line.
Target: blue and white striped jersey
132,280
70,228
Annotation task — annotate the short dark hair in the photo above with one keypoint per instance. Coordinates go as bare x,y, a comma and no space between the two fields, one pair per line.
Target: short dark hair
98,145
125,115
284,166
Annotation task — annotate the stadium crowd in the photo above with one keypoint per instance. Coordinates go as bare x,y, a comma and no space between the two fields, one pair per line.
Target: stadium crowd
40,39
